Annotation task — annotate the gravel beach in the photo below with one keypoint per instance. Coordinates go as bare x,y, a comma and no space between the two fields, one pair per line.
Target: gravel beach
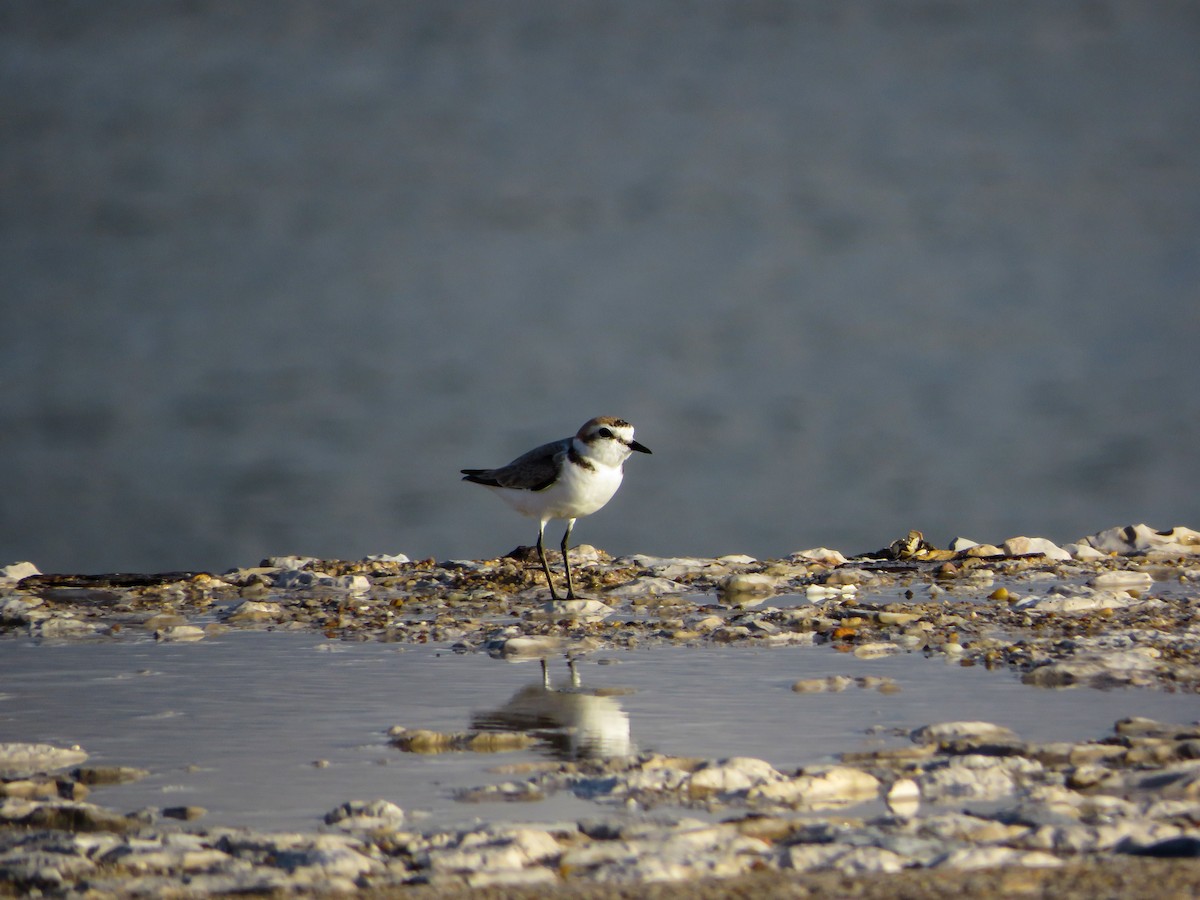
951,807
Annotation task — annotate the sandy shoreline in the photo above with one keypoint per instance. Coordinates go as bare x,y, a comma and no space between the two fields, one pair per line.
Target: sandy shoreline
970,806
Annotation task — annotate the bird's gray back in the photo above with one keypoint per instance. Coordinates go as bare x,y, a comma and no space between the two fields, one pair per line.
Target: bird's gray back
535,470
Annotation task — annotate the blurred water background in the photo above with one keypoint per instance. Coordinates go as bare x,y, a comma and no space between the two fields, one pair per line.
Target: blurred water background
273,272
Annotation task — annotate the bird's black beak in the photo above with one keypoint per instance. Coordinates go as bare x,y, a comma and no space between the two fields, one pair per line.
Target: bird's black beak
634,445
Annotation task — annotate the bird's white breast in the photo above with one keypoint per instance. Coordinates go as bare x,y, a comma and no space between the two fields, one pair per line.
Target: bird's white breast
579,491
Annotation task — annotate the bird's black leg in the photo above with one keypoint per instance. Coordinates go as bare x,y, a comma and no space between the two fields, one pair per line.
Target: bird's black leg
566,560
546,565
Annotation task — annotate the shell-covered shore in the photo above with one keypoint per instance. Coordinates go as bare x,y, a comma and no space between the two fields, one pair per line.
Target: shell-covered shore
1115,609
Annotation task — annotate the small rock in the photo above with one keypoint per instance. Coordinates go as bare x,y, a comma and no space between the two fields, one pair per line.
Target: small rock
386,557
820,787
1022,546
754,583
185,813
729,775
1084,552
983,551
509,848
1126,580
66,816
1180,781
875,650
94,775
526,647
14,572
847,578
976,778
1099,669
587,610
163,621
64,627
361,815
1075,603
897,618
821,555
675,567
180,633
256,611
822,685
646,586
1144,540
317,864
18,760
993,857
303,579
20,610
945,731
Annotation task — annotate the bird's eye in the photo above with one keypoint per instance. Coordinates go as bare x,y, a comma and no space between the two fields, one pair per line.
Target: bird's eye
605,433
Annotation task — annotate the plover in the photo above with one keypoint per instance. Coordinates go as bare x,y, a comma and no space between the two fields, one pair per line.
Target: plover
564,479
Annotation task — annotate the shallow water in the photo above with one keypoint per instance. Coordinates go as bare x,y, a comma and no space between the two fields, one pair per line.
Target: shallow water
235,723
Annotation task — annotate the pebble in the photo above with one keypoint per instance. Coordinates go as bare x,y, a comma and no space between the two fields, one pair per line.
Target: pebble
185,813
1126,580
360,815
526,647
1075,603
65,627
587,610
14,572
897,618
815,592
982,551
646,586
21,760
821,685
294,579
822,556
731,775
959,734
1020,546
822,787
101,775
672,568
1098,669
875,649
180,633
754,583
1144,540
974,778
251,611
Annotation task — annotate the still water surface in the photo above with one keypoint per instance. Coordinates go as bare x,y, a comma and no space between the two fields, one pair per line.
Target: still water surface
234,723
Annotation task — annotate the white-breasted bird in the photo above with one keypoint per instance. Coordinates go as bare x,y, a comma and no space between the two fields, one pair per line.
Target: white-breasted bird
564,479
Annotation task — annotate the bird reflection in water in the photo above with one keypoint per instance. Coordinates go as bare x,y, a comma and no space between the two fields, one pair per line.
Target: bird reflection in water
575,723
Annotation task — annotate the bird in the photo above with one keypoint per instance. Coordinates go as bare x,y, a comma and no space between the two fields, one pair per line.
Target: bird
564,479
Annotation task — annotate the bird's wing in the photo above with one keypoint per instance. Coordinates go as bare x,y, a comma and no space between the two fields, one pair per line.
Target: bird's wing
532,471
